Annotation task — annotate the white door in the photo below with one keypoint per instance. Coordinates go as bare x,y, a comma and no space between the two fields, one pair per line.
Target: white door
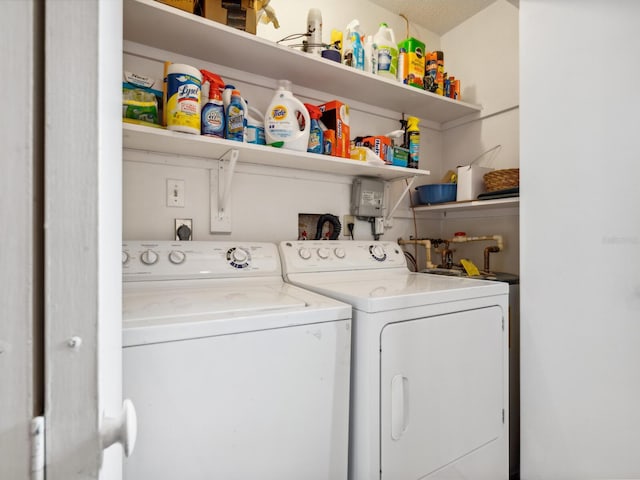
442,392
19,271
82,233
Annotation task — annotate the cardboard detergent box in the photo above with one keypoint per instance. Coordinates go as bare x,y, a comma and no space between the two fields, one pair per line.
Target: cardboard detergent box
470,182
240,14
186,5
335,116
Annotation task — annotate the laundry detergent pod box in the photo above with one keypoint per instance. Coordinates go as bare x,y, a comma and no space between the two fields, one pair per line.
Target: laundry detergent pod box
335,116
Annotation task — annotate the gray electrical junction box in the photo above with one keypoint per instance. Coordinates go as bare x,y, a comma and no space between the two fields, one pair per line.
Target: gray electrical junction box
367,197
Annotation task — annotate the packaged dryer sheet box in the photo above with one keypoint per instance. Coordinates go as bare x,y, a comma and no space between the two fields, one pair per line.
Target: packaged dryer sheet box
470,182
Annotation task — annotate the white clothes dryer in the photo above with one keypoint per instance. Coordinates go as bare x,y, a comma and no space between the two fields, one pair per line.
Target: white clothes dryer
429,378
234,373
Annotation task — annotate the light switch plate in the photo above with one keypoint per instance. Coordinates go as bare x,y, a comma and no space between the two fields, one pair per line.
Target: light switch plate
175,192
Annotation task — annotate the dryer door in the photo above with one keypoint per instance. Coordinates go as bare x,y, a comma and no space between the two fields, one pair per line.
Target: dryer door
442,392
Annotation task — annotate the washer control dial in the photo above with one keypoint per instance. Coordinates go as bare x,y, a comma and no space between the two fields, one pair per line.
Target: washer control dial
340,252
304,253
149,257
377,252
238,257
125,257
323,253
177,257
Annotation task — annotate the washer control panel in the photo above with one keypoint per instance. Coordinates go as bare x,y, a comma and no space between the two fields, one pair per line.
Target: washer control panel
162,260
328,255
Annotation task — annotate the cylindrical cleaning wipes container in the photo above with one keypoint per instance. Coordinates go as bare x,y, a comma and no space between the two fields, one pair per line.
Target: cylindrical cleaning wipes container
183,98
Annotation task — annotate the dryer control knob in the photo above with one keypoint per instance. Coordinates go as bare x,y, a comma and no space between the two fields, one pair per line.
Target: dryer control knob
125,257
378,252
304,253
323,253
239,255
340,253
177,257
149,257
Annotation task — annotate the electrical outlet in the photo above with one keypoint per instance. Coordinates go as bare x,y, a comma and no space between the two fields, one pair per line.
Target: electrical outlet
346,220
175,193
183,229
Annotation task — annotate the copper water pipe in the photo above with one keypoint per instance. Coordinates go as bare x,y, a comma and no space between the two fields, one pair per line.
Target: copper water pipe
496,248
487,251
425,243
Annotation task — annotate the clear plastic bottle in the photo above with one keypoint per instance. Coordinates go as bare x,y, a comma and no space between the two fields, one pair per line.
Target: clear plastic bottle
370,55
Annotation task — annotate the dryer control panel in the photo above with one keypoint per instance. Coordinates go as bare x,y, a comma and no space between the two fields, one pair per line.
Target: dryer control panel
333,256
164,260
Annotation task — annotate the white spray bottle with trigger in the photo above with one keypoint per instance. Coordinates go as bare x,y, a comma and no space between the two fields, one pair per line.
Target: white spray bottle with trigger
281,125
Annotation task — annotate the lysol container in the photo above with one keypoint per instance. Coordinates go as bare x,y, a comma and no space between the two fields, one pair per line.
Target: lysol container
183,98
281,125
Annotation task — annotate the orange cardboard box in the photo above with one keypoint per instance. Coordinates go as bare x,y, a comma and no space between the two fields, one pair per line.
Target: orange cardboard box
381,146
335,116
186,5
240,14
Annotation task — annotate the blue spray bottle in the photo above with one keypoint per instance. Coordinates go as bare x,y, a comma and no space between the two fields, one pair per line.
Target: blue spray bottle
235,118
316,137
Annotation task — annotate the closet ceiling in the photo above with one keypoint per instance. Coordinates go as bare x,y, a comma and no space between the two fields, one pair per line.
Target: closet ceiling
439,16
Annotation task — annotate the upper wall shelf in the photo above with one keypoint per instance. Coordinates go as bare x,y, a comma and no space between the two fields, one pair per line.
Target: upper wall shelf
152,23
159,140
469,205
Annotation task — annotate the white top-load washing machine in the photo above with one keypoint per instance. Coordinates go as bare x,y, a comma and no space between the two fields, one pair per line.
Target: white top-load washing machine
234,373
429,377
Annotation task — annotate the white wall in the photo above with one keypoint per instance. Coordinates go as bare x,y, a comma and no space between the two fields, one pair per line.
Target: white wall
580,240
483,53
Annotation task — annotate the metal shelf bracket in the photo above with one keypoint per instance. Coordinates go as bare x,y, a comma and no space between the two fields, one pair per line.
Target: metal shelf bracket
220,179
402,195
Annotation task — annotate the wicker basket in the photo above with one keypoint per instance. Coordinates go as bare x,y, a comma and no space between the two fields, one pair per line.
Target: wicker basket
501,179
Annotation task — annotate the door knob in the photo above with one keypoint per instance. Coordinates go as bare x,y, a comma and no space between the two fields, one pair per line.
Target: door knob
122,429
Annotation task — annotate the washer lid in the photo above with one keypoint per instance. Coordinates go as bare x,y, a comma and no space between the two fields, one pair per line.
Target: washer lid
176,310
378,291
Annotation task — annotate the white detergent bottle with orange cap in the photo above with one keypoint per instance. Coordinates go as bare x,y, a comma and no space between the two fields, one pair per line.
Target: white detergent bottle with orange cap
287,122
